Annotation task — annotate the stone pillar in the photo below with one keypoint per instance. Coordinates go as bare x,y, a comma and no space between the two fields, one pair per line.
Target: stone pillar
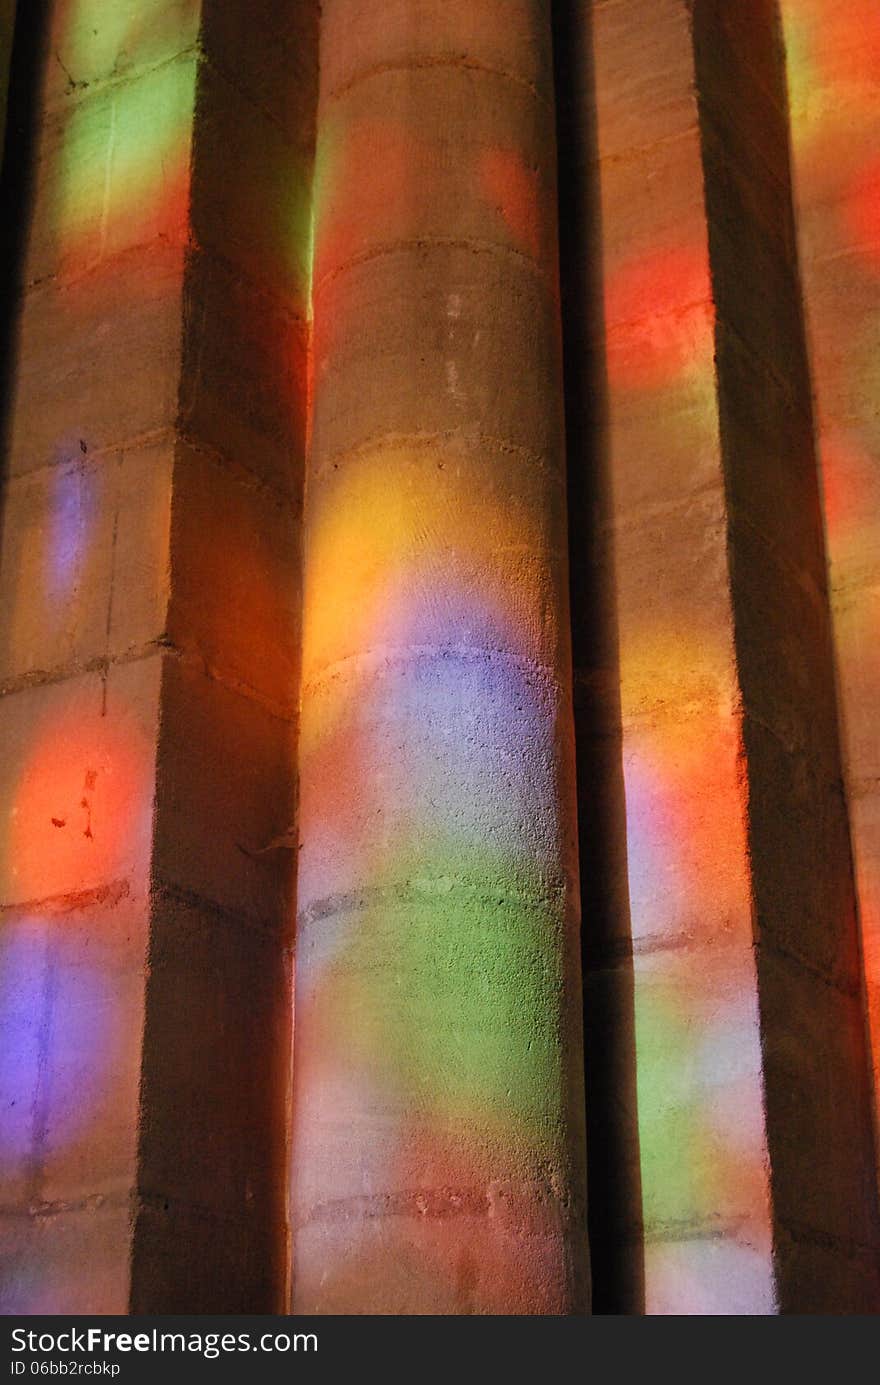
754,1167
833,53
437,1105
148,659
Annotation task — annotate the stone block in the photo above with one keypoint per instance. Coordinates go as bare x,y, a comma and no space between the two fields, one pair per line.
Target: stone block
393,167
43,1258
122,326
78,776
700,1095
243,375
216,1065
508,36
217,810
235,589
644,75
91,43
94,981
266,234
184,1260
84,561
818,1117
446,329
270,48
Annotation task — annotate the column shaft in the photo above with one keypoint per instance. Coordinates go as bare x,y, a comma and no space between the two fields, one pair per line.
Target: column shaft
148,659
755,1191
833,53
437,1107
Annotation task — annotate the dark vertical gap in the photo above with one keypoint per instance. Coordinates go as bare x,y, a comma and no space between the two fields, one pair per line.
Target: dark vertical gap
614,1177
814,1049
17,184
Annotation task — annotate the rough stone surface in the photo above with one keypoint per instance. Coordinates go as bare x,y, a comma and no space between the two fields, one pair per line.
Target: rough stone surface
149,660
831,56
437,1107
736,828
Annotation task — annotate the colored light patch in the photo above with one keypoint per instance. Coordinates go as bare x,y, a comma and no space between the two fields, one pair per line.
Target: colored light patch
453,1012
72,514
849,44
514,188
80,809
58,1027
389,532
660,316
438,729
849,491
861,212
103,38
801,74
133,182
362,184
699,1090
685,811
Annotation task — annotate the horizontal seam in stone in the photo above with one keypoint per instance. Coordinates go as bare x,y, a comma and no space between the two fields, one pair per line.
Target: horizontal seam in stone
153,437
100,896
99,85
161,645
386,655
815,590
811,1235
847,586
264,926
434,1203
463,440
853,250
39,678
199,249
219,69
91,1202
438,1203
426,63
863,786
700,1229
68,283
242,473
353,901
770,946
610,956
648,513
617,328
660,715
408,245
637,151
192,657
797,401
156,1202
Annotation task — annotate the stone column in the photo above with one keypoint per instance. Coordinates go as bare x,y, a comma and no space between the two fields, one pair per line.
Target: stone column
437,1104
148,659
740,948
833,53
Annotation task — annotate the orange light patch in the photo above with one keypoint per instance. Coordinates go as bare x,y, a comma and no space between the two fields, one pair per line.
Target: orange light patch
660,317
510,186
78,808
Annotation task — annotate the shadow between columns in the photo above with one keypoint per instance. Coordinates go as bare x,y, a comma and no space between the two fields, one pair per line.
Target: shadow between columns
17,193
614,1177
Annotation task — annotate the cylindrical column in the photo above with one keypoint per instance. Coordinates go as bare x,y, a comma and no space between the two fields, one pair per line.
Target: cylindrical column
438,1142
